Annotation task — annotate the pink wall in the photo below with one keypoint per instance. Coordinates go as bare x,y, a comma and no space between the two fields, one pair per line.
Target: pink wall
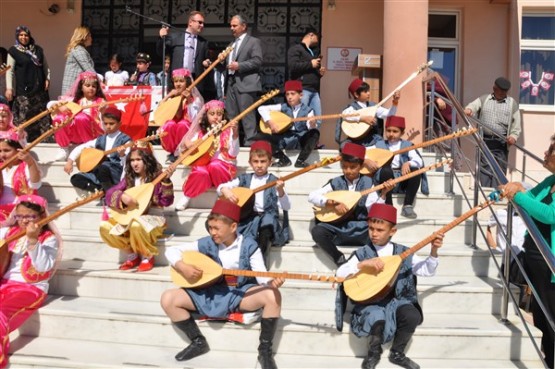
52,32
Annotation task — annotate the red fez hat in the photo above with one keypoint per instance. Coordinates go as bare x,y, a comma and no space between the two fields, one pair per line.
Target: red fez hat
228,209
294,86
354,86
112,110
395,121
262,145
356,150
384,212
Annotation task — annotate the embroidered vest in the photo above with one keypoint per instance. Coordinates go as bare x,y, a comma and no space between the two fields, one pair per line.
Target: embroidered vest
20,182
303,112
270,195
121,139
340,184
28,271
208,247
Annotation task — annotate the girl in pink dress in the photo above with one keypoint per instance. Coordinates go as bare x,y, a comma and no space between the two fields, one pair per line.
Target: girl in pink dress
219,164
86,125
21,177
180,124
33,259
7,128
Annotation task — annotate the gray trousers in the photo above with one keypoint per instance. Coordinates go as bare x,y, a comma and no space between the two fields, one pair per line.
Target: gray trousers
235,103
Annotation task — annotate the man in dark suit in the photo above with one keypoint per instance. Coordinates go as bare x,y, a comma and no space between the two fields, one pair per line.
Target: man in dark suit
243,76
189,50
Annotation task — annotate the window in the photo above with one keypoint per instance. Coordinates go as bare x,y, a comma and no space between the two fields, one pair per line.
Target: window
537,60
443,46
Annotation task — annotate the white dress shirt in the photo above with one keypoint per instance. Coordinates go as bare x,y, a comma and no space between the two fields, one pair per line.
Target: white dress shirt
110,140
381,112
229,256
415,160
264,111
283,202
420,267
233,54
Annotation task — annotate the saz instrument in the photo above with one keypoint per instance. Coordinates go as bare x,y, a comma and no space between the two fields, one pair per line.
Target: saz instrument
245,195
369,287
212,272
4,68
207,144
357,130
54,108
167,109
284,121
76,108
383,156
328,214
143,193
46,134
91,157
5,254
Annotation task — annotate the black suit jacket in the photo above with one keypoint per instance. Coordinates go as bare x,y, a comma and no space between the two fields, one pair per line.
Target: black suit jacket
175,47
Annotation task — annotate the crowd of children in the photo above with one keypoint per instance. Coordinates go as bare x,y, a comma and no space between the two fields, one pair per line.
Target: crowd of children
239,238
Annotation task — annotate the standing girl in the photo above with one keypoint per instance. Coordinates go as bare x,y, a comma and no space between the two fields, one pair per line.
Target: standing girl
24,285
86,125
180,124
21,177
219,164
116,76
139,238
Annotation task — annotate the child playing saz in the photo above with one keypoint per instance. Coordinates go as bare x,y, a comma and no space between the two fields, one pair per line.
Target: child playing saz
24,285
396,316
400,165
139,238
107,173
232,251
354,231
263,222
302,135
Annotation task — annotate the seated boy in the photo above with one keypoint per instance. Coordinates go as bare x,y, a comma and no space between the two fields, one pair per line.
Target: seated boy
360,91
352,231
400,165
303,135
262,223
108,172
232,251
396,316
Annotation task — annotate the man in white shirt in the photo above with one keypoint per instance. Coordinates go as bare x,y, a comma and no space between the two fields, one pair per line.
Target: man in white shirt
396,316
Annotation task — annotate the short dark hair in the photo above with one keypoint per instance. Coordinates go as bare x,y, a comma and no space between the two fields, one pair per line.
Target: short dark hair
193,13
309,30
351,159
223,218
364,87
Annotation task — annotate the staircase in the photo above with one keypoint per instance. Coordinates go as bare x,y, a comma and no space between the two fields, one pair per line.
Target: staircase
97,316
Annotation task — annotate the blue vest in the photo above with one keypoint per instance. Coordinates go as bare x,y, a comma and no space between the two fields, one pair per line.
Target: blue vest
208,247
364,182
424,187
374,135
121,139
251,226
303,112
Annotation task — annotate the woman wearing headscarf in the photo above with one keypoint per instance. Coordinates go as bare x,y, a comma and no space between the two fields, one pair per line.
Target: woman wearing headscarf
78,59
27,82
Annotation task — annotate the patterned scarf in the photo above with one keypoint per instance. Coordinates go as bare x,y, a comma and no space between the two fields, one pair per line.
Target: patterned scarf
30,48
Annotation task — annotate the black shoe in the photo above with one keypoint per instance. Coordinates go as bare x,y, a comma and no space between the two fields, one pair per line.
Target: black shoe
282,162
171,158
266,360
197,347
342,260
398,358
301,164
370,362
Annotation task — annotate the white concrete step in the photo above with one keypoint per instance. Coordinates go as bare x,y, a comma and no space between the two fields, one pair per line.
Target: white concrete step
192,222
442,293
29,352
300,332
456,259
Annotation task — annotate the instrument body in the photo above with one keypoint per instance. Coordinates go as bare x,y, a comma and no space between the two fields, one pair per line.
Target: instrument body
284,121
143,195
212,272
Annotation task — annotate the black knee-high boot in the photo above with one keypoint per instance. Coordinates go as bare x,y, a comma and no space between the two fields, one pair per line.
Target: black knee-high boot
268,328
397,353
374,346
198,344
265,236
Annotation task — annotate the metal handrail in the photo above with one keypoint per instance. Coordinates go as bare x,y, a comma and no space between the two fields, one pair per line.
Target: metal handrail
482,149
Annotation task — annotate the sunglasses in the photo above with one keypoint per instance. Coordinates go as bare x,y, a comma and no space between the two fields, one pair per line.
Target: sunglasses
199,22
26,217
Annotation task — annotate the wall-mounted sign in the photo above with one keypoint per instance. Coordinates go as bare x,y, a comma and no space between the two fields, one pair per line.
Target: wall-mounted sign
342,58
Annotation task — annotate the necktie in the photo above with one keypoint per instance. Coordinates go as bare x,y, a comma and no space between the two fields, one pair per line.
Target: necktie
234,54
189,52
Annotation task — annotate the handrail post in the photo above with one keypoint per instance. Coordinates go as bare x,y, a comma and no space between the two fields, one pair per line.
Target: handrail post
523,176
476,184
507,262
451,184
